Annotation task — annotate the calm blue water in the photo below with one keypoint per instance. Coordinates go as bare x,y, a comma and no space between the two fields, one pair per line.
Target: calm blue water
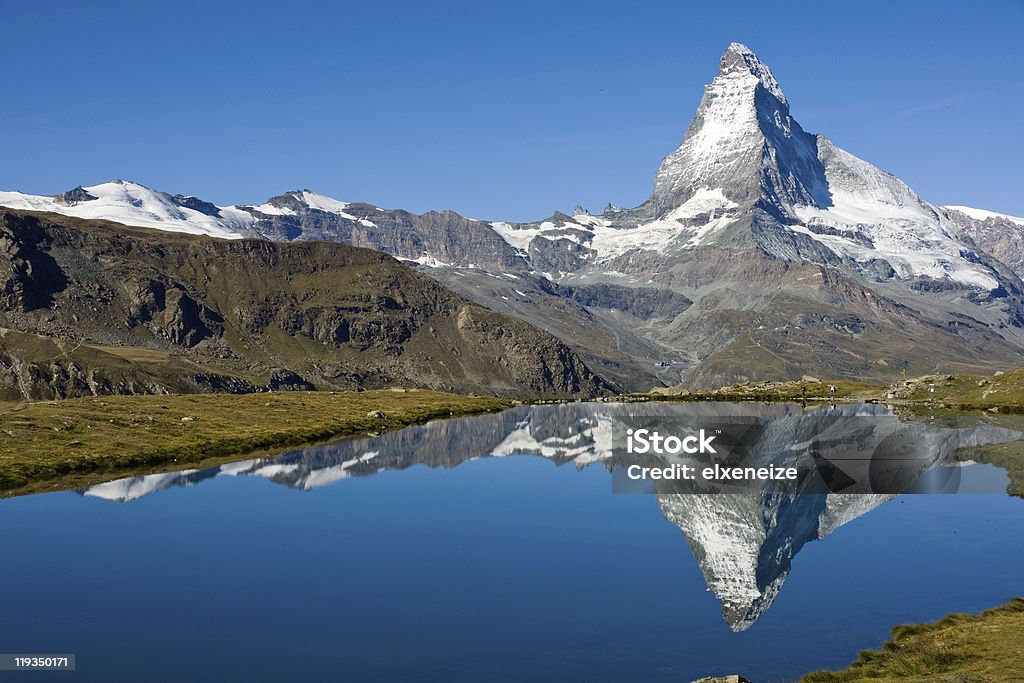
500,569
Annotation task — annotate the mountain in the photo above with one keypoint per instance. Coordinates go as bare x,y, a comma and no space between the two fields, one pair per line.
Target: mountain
467,255
994,233
93,307
763,252
799,257
133,204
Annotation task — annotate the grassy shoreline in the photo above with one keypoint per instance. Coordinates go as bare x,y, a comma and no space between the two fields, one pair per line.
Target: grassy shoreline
55,445
1002,392
790,391
959,647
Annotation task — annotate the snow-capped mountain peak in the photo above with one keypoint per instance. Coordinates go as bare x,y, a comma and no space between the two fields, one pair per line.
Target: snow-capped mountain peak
744,141
983,215
298,201
738,59
130,203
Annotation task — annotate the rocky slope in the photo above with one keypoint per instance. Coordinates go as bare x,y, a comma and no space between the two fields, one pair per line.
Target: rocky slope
994,233
763,252
90,307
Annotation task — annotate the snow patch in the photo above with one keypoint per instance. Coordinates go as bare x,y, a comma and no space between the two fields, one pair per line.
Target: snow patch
610,241
271,210
983,215
131,488
904,230
323,203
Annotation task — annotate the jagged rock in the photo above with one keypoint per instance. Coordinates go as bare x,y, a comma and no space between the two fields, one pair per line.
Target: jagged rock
993,233
228,384
669,391
286,380
196,205
559,254
183,319
29,277
75,196
643,302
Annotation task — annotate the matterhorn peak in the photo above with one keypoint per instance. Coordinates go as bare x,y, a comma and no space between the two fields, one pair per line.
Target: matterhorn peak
738,59
743,144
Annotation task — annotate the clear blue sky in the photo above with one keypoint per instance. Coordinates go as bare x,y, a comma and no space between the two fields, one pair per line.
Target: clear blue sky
497,110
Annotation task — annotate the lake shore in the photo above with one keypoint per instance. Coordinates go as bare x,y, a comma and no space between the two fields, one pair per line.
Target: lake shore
1002,392
959,647
69,443
59,445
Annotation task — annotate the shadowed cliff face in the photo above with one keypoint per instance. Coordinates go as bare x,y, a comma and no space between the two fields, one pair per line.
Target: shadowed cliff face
745,541
89,308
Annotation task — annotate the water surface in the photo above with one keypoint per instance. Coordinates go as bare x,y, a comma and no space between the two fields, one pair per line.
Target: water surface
488,548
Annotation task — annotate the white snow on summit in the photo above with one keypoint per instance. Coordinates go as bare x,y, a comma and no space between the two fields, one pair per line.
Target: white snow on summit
983,215
323,203
133,204
728,134
270,210
752,64
743,146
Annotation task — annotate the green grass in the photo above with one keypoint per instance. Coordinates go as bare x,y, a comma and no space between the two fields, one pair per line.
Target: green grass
958,648
780,391
1004,392
51,445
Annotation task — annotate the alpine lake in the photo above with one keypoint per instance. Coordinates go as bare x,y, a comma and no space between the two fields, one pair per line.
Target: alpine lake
506,547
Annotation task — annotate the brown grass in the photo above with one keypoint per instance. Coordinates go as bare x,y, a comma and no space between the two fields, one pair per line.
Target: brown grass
960,648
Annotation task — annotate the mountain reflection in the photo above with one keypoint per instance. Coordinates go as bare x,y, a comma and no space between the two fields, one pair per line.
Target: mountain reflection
744,541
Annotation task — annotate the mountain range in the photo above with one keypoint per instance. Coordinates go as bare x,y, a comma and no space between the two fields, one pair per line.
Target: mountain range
763,252
90,307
